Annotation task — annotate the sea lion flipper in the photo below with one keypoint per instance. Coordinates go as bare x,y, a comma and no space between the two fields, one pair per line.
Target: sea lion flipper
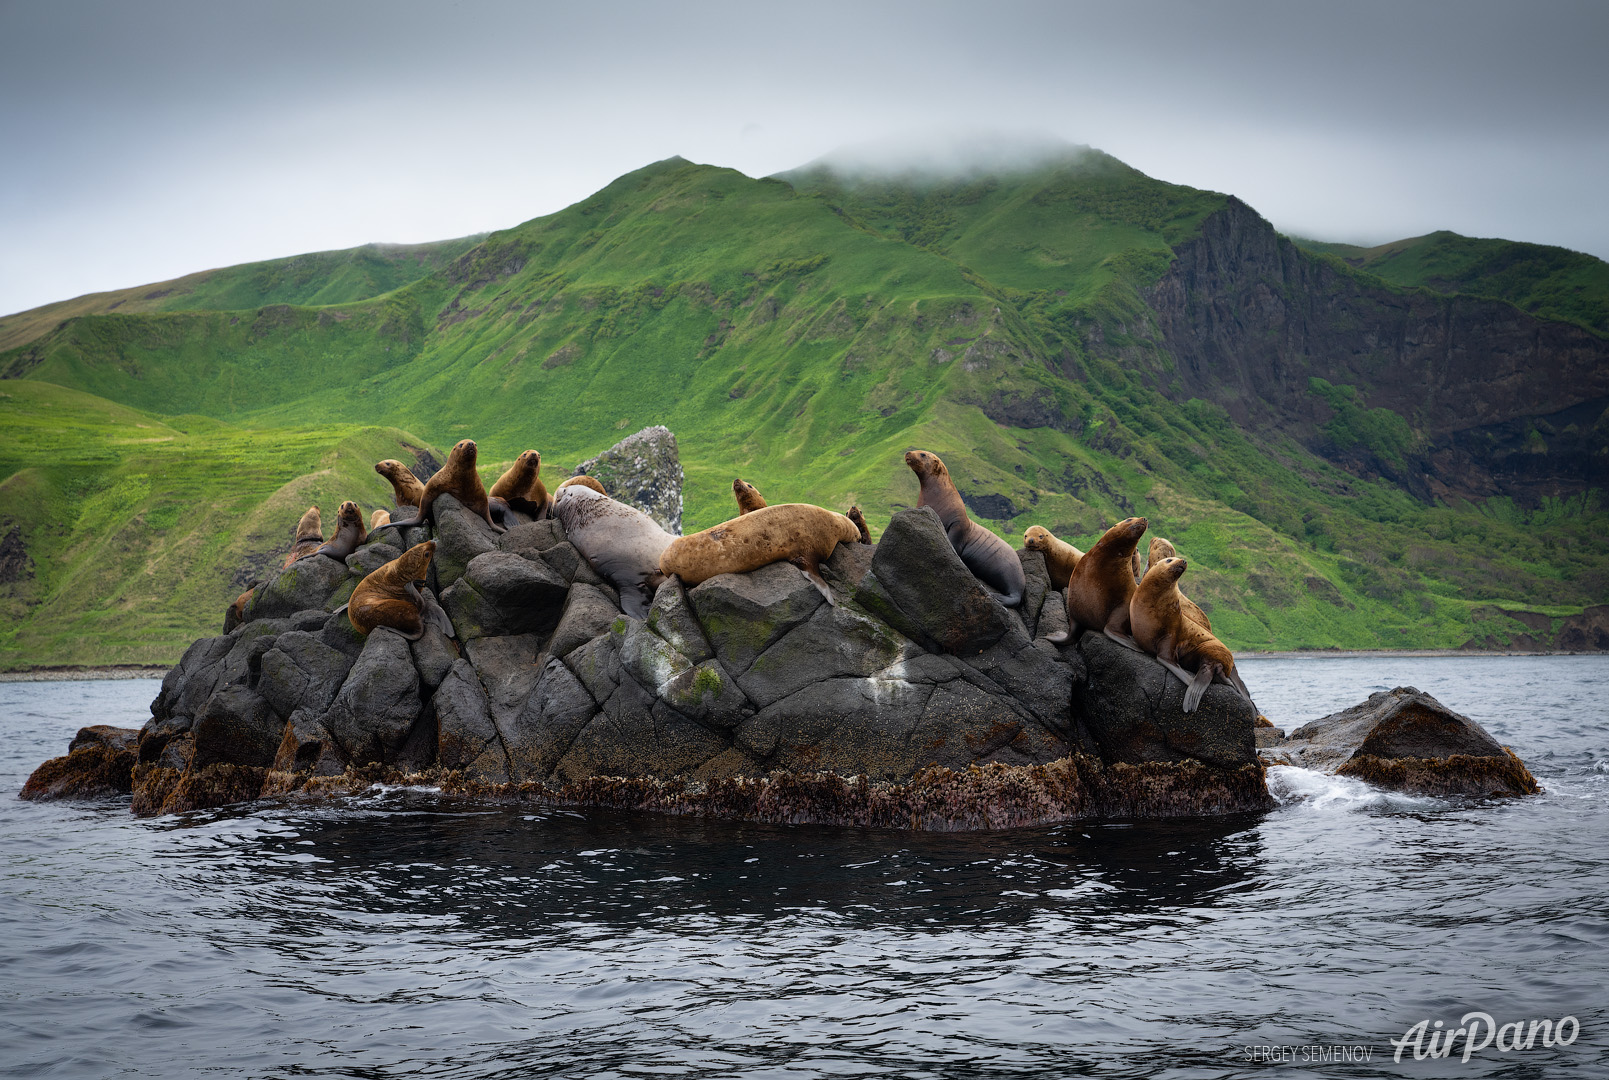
1198,686
1060,637
821,586
1123,639
633,602
1183,675
340,609
431,613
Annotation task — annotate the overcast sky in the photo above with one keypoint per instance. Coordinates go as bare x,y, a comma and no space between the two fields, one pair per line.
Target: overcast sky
146,140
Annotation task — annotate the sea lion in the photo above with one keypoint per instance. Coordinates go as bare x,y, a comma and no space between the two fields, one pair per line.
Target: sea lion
1136,567
1163,549
309,537
748,498
799,533
1101,585
522,488
378,518
349,533
991,560
620,542
1162,629
392,596
1060,556
405,486
237,610
587,482
459,479
859,519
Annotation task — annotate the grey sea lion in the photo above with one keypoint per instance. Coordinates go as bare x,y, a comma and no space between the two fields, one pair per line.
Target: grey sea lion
620,542
349,533
991,560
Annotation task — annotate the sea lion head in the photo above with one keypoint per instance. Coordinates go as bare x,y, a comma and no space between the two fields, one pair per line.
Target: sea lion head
1160,549
1129,530
573,503
349,514
414,563
584,481
924,464
1171,567
1036,538
389,468
529,465
463,453
741,487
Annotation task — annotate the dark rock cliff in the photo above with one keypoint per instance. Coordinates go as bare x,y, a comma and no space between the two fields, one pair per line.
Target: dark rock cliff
1495,400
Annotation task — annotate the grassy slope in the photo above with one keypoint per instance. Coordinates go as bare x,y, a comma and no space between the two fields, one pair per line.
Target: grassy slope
803,337
1552,282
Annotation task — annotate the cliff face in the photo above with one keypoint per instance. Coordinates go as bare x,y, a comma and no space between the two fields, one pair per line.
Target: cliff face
1494,400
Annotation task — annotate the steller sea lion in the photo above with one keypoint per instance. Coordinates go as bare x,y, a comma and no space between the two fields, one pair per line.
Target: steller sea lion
859,519
585,481
378,518
522,488
1101,585
799,533
459,479
1184,647
1163,549
620,542
392,596
237,610
309,537
1136,567
748,498
1060,556
991,560
405,486
349,533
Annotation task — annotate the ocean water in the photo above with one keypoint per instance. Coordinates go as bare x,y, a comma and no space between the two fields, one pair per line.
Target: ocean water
409,935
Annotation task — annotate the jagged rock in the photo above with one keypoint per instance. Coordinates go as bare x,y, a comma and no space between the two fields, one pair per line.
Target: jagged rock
501,594
340,635
643,470
1134,708
306,749
834,642
547,726
1036,578
923,589
532,539
508,671
671,617
460,536
466,736
196,664
305,583
302,672
370,557
588,612
1406,740
434,655
378,704
597,665
1036,675
237,727
743,614
99,764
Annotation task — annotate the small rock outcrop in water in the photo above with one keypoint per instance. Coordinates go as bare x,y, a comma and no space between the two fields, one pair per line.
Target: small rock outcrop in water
99,763
645,471
1406,740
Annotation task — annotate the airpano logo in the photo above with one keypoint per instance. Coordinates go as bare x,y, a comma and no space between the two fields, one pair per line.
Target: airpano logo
1478,1030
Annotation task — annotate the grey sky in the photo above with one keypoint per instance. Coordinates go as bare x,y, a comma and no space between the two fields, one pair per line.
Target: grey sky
147,140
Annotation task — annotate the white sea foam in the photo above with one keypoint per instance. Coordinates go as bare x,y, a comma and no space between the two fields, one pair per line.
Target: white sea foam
1290,784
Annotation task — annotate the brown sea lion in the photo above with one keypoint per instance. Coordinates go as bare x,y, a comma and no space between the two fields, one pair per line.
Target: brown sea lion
1183,646
799,533
1163,549
378,518
1099,590
459,479
522,488
860,523
585,481
991,560
620,542
1136,567
747,496
405,486
237,610
1060,556
309,537
392,596
349,533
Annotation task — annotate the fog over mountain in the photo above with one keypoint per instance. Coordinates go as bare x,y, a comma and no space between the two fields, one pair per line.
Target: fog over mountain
146,141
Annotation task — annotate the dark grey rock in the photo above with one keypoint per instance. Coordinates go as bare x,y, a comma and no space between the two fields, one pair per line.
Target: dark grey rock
460,536
1134,709
312,621
308,747
743,614
201,656
378,704
237,727
671,617
340,635
846,725
370,557
833,642
638,736
1036,580
588,612
935,598
597,665
847,567
302,672
1400,723
1035,676
545,729
433,654
529,541
157,733
525,596
508,671
305,583
643,470
1053,618
466,736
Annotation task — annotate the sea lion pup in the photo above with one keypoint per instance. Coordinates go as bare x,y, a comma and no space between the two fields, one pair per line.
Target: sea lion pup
1101,585
459,479
349,532
405,486
309,537
799,533
1163,549
391,596
587,482
859,519
620,542
1162,629
991,560
379,518
1060,556
522,488
748,498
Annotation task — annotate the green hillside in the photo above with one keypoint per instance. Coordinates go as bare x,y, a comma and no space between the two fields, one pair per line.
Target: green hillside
801,332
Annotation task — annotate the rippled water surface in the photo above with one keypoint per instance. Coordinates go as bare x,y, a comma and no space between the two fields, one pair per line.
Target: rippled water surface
408,935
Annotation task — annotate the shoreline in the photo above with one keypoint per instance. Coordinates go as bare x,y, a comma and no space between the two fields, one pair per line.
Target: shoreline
83,674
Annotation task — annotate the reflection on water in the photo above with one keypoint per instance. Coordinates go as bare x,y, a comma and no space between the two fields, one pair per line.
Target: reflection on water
409,935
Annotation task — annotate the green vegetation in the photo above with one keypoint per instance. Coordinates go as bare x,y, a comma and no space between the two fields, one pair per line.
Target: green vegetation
800,334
